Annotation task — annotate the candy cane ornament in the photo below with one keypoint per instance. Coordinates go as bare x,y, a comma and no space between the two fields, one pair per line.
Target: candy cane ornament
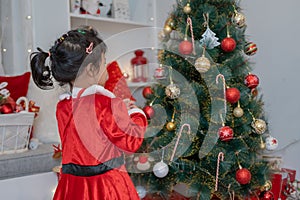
220,158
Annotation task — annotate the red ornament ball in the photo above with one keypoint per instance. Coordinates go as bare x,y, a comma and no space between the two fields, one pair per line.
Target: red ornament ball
266,195
149,111
232,95
225,133
147,92
250,49
251,81
185,47
243,176
6,108
228,44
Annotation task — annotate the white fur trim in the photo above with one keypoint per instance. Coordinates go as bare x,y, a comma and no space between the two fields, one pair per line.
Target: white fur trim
92,90
136,110
64,96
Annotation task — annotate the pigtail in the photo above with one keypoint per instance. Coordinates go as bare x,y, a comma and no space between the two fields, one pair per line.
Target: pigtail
41,73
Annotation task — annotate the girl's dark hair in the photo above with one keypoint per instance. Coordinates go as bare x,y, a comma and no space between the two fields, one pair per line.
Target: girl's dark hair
66,57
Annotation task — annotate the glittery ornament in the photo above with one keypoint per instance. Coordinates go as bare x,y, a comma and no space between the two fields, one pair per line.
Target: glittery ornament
266,195
259,126
251,81
239,19
232,95
225,133
271,143
238,112
202,64
228,44
243,176
172,91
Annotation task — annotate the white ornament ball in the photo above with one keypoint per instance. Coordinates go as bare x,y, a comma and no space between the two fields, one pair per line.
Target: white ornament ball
161,169
33,143
141,191
271,143
202,64
172,91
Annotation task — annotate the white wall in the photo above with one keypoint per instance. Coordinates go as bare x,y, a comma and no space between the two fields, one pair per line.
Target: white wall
274,26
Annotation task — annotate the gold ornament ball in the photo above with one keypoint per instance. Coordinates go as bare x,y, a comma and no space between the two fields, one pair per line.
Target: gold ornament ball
239,19
187,9
259,126
171,126
267,186
167,29
238,112
202,64
170,22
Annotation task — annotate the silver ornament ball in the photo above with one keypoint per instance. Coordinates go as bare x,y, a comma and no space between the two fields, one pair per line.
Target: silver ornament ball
161,169
172,91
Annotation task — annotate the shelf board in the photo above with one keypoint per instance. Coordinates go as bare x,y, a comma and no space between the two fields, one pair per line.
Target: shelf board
107,19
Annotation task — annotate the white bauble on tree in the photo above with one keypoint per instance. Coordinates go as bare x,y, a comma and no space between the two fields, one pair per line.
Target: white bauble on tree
160,169
271,143
141,191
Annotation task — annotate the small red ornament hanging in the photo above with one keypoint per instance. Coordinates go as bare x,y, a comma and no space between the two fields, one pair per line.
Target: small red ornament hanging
266,195
251,81
225,133
147,92
185,47
6,108
228,44
149,111
243,176
232,95
250,49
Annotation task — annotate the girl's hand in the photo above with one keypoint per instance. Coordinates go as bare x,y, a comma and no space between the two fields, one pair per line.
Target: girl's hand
129,104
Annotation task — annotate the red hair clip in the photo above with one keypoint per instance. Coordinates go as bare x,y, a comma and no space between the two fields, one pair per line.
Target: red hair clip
90,48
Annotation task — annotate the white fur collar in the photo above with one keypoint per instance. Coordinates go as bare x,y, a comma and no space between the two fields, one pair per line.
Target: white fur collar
88,91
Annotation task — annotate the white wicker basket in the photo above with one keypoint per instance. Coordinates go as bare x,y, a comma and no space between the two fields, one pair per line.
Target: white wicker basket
15,131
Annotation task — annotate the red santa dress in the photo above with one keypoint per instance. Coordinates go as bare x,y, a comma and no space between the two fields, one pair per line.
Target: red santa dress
96,129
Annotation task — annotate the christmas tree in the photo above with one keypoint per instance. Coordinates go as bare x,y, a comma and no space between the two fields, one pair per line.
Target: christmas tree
207,129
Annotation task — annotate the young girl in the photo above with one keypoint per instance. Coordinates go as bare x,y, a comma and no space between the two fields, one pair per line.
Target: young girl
95,127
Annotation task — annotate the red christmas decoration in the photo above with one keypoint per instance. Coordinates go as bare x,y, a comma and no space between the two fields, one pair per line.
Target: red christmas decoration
232,95
250,49
147,92
149,111
225,133
185,47
266,195
139,67
251,81
243,176
6,108
228,44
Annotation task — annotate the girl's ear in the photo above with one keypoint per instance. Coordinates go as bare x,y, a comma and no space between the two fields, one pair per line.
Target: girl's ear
90,70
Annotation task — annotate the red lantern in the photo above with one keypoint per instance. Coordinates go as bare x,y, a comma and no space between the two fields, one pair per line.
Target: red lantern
243,176
228,44
147,92
140,68
185,47
251,81
225,133
149,111
232,95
